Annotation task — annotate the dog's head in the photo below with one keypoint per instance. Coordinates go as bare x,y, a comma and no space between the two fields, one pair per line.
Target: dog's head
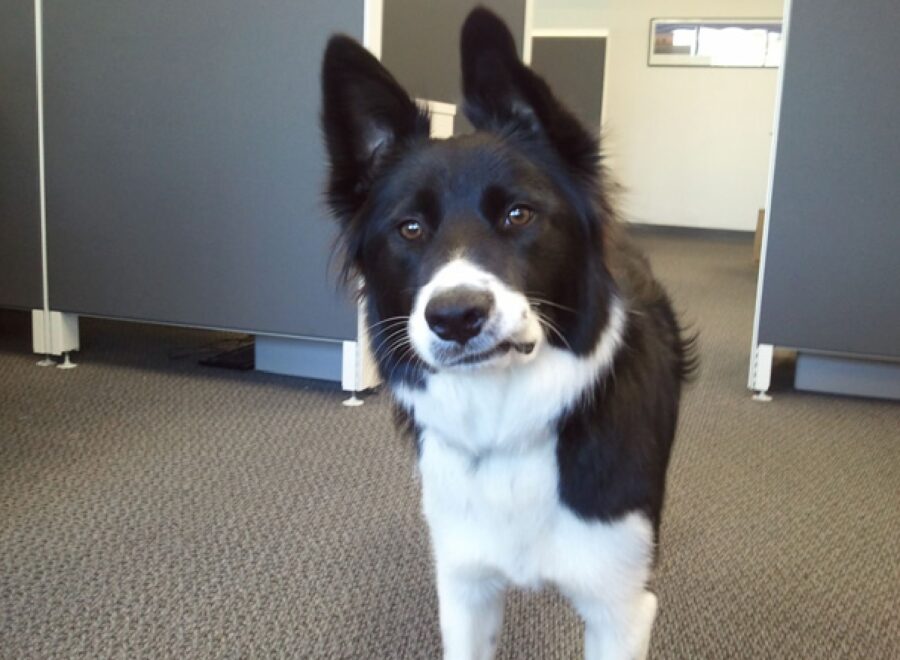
478,251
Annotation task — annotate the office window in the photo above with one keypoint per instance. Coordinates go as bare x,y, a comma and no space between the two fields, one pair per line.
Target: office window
752,43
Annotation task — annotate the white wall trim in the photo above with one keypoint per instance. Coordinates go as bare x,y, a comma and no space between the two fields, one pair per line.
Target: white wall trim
528,31
571,32
785,31
39,84
437,106
358,370
373,14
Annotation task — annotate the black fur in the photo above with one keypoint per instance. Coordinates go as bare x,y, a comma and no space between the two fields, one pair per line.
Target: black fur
613,451
614,447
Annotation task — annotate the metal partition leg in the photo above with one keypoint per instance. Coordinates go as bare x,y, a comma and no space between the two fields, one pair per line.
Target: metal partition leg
54,333
761,371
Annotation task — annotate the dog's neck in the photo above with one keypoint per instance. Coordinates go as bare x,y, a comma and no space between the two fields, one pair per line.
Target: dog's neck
514,408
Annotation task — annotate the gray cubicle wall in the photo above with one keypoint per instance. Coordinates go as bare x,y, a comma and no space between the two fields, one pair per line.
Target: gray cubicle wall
185,165
832,265
420,44
574,67
20,228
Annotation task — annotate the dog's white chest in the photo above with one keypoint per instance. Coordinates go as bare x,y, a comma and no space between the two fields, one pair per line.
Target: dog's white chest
500,514
490,478
498,511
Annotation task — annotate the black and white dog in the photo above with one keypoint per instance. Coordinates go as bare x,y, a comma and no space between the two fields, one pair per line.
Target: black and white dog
528,347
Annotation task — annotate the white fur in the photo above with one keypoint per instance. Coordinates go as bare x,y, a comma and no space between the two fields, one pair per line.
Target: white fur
510,405
490,489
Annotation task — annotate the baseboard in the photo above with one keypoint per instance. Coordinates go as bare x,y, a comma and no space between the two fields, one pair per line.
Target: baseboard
306,358
737,235
834,375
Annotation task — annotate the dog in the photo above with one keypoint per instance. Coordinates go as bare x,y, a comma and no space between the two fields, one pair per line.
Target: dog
529,350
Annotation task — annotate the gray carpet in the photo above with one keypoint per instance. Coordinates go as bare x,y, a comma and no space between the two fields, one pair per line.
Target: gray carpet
152,508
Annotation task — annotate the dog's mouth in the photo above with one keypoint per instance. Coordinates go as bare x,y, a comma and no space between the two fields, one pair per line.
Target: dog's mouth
504,347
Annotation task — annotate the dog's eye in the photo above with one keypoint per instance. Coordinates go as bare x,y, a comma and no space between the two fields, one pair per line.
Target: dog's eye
518,216
411,230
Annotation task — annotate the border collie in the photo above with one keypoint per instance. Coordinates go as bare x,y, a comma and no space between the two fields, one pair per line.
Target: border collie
527,346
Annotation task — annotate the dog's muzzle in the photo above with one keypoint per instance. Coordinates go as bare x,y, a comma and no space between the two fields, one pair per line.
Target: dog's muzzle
459,314
465,316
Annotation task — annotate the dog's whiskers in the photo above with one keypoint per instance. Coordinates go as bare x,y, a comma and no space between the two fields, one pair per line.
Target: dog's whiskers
388,338
394,346
547,323
400,359
538,302
390,321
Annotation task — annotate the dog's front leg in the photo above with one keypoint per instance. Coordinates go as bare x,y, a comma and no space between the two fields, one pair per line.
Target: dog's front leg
471,610
617,629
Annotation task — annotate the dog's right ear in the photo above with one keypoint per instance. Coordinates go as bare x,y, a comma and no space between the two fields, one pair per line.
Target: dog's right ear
505,96
365,116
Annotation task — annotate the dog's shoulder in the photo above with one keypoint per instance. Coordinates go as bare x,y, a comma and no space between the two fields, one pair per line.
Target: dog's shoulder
613,449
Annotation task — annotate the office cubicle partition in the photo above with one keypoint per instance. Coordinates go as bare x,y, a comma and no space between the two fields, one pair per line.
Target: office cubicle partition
20,214
185,167
830,275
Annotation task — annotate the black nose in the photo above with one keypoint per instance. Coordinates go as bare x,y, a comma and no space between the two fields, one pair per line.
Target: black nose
458,314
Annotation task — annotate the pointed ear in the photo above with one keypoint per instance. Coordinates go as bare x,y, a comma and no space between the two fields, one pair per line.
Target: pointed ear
365,116
505,96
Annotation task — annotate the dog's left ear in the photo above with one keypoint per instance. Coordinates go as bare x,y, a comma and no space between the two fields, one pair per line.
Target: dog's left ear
366,115
503,95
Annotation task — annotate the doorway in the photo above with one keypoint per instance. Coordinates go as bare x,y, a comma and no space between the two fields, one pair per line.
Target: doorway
574,63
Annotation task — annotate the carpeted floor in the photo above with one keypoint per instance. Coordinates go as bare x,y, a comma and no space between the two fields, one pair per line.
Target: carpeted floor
152,508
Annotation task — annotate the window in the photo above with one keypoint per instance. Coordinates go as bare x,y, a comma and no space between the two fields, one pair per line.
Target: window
715,42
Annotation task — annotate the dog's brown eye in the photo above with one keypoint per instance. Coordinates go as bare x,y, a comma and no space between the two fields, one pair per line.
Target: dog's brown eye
411,230
518,216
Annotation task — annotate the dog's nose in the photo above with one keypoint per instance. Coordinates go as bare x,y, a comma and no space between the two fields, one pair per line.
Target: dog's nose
458,314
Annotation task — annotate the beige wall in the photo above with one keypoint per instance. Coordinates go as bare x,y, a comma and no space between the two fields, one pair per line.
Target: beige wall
690,145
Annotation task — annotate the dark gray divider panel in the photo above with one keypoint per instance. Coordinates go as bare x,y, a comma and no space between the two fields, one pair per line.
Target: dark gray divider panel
574,68
20,219
832,271
420,44
184,162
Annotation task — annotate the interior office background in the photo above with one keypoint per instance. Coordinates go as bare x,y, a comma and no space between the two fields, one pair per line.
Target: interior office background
691,147
139,432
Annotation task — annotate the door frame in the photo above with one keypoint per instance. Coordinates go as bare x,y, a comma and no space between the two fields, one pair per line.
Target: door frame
573,33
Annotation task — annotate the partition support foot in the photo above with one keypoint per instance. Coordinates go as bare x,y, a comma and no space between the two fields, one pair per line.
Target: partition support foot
353,401
54,333
761,371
